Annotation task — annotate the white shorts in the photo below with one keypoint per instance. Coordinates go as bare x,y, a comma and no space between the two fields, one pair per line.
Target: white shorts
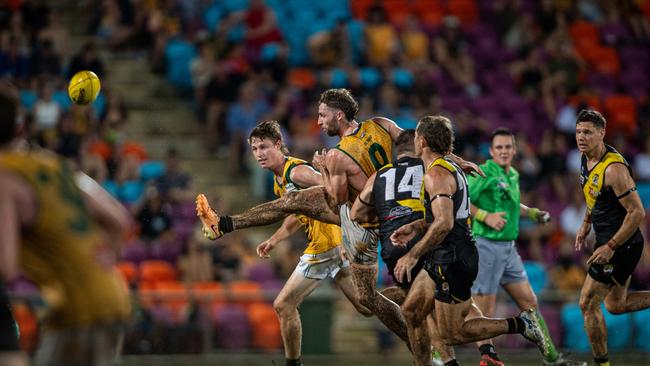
322,265
360,243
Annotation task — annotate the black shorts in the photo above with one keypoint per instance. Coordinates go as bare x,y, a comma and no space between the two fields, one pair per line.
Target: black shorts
454,280
620,267
390,254
8,335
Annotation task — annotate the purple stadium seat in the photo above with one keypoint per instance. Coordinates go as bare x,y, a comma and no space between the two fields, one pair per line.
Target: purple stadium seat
166,251
606,84
272,286
23,287
261,272
455,104
614,34
134,251
232,327
184,230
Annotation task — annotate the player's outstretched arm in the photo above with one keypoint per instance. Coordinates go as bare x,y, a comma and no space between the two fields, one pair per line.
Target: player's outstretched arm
9,234
363,209
336,163
289,226
111,215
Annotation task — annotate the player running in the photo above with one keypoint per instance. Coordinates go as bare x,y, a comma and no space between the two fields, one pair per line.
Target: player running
452,257
363,149
321,258
616,212
496,208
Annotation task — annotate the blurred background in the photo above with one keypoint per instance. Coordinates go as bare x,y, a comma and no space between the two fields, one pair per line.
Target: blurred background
184,81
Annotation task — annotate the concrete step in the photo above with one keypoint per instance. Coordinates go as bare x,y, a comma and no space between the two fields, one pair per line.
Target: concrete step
178,123
157,146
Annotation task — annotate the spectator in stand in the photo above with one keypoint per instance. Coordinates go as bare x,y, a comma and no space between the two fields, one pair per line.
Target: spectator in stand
195,264
330,48
566,275
381,38
45,62
14,62
47,113
573,214
175,185
87,59
68,140
529,74
260,27
57,35
414,41
151,214
242,117
642,162
450,51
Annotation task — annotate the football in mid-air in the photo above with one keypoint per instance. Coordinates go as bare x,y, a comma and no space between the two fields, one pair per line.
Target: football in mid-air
84,87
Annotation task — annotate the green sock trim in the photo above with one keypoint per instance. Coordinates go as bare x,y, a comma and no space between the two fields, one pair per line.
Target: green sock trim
552,352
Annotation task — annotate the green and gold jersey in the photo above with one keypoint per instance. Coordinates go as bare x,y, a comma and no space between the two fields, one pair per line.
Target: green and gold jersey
370,146
321,237
61,251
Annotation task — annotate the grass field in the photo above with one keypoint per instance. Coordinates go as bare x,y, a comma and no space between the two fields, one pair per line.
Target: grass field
527,358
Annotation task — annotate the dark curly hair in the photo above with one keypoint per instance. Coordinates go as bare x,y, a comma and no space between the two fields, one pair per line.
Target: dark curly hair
340,99
268,130
590,115
438,133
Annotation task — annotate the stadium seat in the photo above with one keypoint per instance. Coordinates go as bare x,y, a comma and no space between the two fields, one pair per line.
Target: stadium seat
338,78
232,327
130,191
261,271
583,31
621,113
28,325
370,77
302,78
265,327
641,320
151,170
644,193
244,293
129,271
575,337
174,296
536,275
465,10
156,271
27,99
430,12
134,251
208,293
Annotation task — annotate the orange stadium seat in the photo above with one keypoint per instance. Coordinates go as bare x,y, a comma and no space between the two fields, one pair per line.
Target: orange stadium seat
302,78
134,149
265,327
593,101
620,111
129,271
605,61
465,10
157,270
397,11
208,292
360,8
28,325
174,296
430,12
101,149
245,293
146,293
583,31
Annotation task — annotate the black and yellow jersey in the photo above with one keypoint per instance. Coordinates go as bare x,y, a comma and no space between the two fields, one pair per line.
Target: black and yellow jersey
461,233
370,146
399,197
607,213
61,252
321,237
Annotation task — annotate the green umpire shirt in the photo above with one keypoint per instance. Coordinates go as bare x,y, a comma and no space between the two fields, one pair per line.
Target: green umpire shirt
497,192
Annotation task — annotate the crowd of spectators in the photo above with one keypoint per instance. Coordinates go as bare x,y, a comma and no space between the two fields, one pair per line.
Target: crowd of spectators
527,65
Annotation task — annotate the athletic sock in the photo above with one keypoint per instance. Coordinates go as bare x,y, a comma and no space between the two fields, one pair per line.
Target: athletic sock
293,362
452,363
602,361
225,224
553,354
515,325
488,349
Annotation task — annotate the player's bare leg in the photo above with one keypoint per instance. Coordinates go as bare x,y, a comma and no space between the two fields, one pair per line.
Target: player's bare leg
395,294
416,307
620,301
313,202
592,295
286,305
447,353
388,312
346,284
454,329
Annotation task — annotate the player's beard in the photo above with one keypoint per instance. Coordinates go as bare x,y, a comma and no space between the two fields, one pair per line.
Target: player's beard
333,130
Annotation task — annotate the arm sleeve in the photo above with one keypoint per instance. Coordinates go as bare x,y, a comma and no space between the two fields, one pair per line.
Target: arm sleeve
476,186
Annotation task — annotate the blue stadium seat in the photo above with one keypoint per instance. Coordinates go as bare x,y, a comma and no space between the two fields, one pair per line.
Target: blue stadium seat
575,337
27,99
339,79
402,78
370,77
357,41
179,53
233,5
152,169
212,16
641,320
536,275
62,98
269,52
130,191
111,187
619,329
100,104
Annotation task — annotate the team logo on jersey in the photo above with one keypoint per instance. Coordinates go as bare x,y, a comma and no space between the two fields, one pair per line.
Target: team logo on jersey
398,211
594,180
445,287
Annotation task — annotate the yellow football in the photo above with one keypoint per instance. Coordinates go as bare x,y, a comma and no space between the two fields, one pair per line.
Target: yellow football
84,87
